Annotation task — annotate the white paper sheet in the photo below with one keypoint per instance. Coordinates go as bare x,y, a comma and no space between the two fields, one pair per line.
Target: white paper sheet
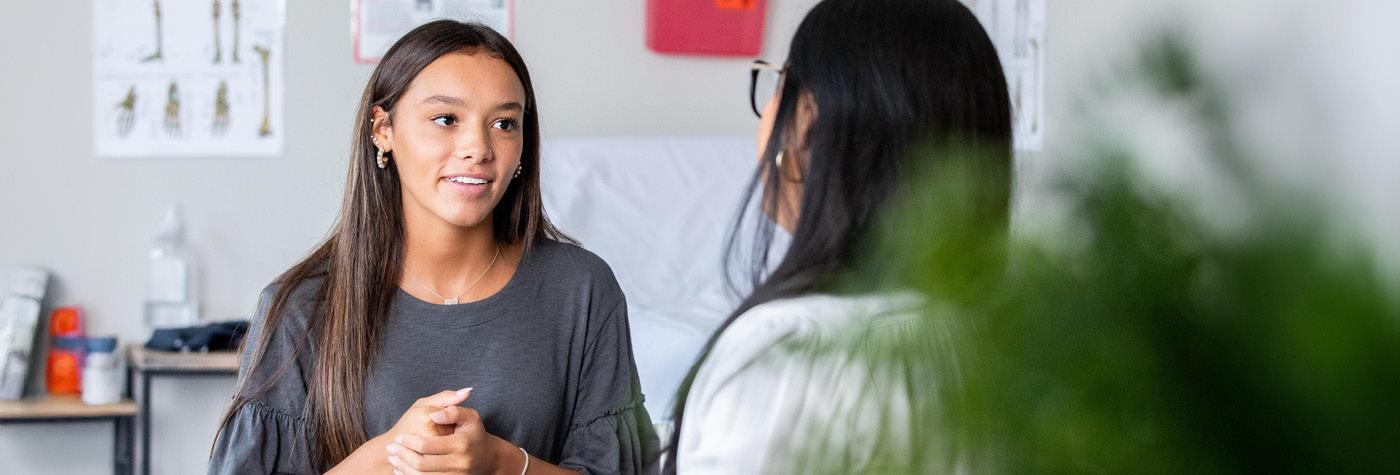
1017,28
187,78
379,23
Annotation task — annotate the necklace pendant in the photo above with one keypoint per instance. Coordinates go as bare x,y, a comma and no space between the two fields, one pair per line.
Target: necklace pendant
449,302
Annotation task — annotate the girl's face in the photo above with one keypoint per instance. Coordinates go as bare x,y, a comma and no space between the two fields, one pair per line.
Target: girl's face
455,138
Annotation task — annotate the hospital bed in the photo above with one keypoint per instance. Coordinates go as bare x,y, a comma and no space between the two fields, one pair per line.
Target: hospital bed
658,210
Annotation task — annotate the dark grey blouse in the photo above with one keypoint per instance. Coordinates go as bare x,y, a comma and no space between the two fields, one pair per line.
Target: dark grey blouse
549,358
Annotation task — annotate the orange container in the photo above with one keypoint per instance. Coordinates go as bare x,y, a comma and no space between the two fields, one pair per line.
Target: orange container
64,369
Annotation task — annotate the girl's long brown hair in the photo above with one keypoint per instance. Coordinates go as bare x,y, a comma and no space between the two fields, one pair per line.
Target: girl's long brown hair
362,258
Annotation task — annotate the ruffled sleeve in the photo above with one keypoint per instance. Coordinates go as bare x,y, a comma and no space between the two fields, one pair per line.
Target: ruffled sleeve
611,431
261,439
268,432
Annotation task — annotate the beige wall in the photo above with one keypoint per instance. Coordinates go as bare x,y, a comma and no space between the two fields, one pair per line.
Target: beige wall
90,221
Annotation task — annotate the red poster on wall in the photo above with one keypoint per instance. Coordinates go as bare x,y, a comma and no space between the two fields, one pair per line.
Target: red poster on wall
706,27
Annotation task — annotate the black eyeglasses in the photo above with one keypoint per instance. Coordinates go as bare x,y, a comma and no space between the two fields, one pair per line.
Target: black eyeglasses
764,80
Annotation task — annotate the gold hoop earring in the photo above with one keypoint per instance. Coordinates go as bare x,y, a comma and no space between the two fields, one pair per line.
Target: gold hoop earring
380,159
779,159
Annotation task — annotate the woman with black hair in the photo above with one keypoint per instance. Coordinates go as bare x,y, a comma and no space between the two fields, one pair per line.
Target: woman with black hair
872,91
442,272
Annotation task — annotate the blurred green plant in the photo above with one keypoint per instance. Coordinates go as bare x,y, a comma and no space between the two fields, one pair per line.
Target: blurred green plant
1159,346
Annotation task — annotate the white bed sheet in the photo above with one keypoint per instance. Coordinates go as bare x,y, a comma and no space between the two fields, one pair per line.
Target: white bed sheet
658,210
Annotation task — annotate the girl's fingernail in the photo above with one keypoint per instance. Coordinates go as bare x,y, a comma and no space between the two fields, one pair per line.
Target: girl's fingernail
393,460
398,440
438,417
392,448
464,391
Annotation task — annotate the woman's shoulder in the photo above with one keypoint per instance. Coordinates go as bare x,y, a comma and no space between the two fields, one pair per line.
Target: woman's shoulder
303,289
277,351
817,318
817,312
795,352
300,299
571,262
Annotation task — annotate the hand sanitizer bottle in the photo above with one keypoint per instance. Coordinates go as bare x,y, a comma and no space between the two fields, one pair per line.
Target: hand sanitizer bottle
172,294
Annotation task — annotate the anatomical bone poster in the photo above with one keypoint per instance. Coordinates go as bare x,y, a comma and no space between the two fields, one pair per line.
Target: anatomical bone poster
1017,27
377,24
187,78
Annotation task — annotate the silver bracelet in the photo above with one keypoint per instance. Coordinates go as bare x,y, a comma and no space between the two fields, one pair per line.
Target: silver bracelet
527,460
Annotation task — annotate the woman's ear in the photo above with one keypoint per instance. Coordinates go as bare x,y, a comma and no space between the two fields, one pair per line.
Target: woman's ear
380,129
806,115
796,143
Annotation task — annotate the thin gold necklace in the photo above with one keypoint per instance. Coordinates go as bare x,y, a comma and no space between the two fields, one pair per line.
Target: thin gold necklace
454,300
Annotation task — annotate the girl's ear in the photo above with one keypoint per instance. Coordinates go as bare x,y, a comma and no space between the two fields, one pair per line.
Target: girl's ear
381,130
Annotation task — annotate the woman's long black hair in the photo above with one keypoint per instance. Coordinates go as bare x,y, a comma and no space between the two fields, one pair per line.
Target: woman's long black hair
886,77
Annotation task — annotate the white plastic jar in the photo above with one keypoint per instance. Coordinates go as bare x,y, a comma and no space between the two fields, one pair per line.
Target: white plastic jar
102,372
